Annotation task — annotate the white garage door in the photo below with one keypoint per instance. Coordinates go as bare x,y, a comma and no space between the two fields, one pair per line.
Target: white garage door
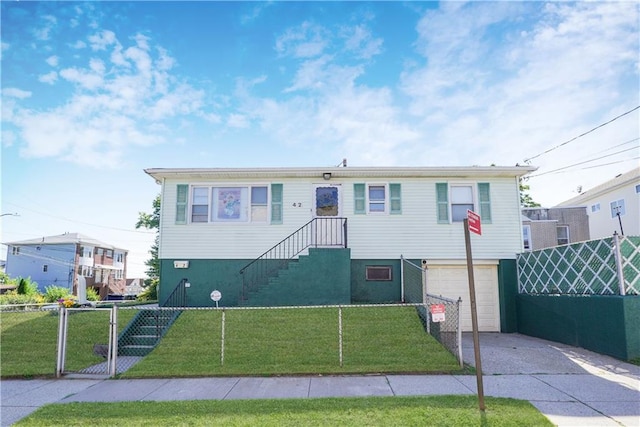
452,281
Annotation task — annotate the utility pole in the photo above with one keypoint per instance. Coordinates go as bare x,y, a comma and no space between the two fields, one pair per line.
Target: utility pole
617,208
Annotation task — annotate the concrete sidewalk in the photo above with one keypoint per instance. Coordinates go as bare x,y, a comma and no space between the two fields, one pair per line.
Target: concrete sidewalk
571,386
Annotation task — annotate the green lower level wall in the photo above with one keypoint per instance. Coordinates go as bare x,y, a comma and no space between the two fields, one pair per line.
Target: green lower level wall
365,291
343,283
604,324
507,292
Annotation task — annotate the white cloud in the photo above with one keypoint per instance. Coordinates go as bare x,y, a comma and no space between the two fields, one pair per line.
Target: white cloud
360,40
13,92
44,32
53,60
238,121
102,40
8,138
50,77
122,98
305,41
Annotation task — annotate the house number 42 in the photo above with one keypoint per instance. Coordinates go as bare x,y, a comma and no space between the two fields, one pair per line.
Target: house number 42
297,205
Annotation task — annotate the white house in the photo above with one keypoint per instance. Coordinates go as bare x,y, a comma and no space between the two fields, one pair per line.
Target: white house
345,228
613,206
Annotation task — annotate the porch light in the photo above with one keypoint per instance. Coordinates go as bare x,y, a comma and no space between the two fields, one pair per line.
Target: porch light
326,176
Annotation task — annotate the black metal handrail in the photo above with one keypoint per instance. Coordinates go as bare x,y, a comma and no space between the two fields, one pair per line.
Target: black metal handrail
319,232
177,297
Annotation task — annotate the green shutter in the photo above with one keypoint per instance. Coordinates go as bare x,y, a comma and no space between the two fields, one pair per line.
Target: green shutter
182,192
442,197
395,199
359,206
484,199
276,203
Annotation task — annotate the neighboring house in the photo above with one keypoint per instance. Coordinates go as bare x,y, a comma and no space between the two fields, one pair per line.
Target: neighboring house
64,259
613,206
357,221
133,288
547,227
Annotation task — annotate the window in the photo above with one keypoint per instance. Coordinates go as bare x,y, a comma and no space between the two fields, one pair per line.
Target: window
200,204
99,251
86,251
379,273
595,208
377,198
119,257
119,274
15,250
461,201
617,207
638,189
453,201
86,271
109,253
231,204
526,236
259,204
45,267
562,232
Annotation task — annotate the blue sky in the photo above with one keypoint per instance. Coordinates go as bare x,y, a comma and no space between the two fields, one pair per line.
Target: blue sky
93,93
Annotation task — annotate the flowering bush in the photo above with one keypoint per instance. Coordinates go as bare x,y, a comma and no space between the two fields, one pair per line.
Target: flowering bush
67,302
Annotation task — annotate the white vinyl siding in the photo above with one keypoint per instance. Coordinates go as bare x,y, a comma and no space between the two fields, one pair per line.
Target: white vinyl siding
414,234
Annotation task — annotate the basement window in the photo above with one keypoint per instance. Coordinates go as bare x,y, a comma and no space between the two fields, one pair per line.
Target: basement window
380,273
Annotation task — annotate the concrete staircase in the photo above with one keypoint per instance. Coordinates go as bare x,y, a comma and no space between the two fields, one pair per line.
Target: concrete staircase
322,277
145,331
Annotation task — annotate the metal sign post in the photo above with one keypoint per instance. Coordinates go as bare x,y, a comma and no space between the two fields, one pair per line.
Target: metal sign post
472,300
216,296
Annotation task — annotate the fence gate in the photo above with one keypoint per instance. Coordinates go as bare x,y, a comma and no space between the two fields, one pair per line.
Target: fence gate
87,341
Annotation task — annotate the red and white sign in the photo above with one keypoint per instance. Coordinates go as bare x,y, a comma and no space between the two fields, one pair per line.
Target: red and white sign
474,222
437,312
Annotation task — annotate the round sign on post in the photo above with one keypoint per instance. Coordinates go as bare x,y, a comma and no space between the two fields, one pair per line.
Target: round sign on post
216,296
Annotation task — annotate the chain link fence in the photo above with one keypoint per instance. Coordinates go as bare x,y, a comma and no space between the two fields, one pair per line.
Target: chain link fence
249,340
440,316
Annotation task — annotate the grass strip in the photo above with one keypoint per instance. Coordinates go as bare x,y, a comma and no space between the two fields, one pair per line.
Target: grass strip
370,411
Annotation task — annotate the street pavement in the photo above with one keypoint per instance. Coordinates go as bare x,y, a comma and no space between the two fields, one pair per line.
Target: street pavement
570,386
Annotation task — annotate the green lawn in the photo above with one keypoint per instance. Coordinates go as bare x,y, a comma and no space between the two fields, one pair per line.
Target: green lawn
29,340
300,341
371,411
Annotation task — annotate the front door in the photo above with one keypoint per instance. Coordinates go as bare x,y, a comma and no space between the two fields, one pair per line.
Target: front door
327,210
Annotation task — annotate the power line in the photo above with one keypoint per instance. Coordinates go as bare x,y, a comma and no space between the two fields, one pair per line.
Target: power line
581,135
82,222
589,167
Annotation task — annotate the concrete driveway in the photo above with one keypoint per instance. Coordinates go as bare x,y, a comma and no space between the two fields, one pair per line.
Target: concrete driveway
571,386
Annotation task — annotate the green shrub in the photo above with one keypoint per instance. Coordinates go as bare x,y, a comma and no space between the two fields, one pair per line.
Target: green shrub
150,292
92,294
5,279
27,286
15,298
54,293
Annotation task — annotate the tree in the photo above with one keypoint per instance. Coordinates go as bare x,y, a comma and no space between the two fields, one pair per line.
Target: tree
525,199
152,222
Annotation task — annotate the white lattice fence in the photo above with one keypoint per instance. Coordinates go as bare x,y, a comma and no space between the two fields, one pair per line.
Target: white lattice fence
595,267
